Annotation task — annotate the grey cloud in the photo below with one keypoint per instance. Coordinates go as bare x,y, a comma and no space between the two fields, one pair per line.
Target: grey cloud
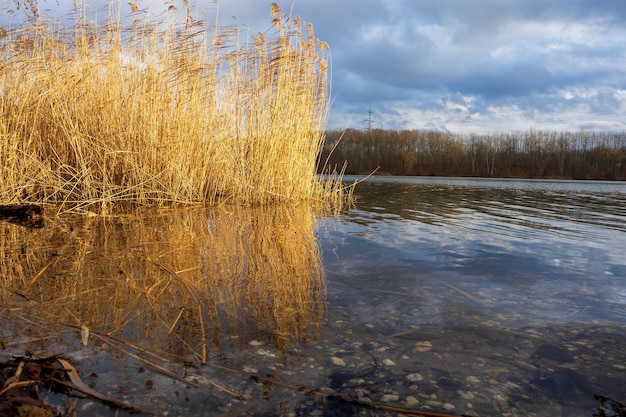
457,60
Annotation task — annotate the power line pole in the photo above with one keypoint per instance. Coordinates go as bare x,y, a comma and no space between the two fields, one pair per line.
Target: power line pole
369,121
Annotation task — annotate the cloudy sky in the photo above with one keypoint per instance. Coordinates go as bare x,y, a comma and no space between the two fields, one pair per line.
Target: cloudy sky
458,65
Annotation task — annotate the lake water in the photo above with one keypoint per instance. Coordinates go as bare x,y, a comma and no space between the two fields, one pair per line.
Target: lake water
453,296
519,286
554,249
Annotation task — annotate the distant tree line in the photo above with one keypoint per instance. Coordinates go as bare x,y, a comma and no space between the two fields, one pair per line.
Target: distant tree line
530,154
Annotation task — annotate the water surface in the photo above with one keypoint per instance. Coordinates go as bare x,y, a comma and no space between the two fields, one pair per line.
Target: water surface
518,285
504,239
456,296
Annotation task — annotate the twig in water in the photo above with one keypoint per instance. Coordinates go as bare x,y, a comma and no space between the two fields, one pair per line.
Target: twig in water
471,297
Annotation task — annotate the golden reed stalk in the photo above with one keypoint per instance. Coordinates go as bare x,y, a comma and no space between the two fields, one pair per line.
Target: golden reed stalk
100,116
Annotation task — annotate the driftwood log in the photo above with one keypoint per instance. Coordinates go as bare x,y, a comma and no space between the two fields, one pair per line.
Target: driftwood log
28,215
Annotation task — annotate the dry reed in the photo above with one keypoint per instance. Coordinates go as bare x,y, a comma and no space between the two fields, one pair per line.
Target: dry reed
100,116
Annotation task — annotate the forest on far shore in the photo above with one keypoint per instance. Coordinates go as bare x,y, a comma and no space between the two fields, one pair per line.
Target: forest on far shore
530,154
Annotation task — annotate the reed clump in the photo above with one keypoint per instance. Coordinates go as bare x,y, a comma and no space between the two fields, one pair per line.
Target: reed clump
164,112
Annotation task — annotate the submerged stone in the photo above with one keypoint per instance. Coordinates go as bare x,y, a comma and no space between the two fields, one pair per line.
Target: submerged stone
553,353
337,361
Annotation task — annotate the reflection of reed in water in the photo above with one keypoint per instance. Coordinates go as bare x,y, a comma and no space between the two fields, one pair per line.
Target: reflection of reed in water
178,282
